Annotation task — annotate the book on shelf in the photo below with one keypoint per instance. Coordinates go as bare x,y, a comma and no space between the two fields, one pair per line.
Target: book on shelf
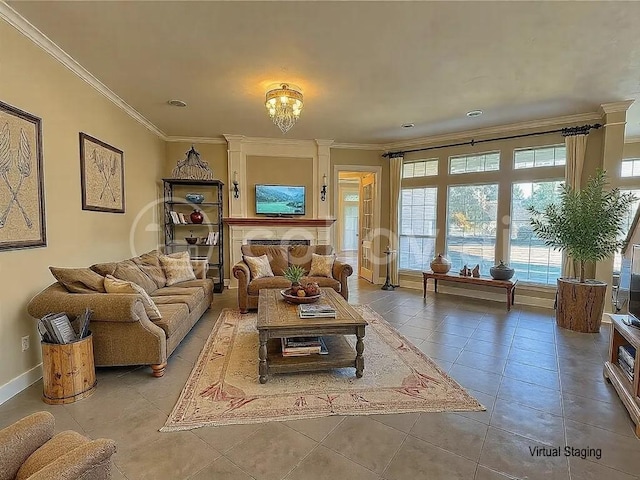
302,346
628,354
183,218
315,310
626,369
175,219
211,239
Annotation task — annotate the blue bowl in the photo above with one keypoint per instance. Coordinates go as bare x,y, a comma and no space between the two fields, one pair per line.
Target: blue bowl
194,197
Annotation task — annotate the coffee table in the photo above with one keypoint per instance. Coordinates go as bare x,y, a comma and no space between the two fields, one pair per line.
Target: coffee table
278,319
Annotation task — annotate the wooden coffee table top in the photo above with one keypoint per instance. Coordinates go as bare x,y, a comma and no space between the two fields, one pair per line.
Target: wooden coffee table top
274,312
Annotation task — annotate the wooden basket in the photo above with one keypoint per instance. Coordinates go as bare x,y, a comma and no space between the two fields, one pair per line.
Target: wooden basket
68,371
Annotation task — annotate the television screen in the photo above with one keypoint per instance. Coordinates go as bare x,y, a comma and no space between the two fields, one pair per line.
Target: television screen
634,284
280,200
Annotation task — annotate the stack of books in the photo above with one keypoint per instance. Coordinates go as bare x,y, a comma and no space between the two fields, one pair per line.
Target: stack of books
211,239
627,360
316,310
301,346
178,218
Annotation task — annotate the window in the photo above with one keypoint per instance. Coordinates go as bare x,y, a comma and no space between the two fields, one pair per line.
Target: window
472,212
421,168
551,156
532,260
417,227
617,258
630,167
483,162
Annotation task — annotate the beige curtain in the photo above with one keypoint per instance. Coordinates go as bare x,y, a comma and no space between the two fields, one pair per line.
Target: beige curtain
576,148
394,220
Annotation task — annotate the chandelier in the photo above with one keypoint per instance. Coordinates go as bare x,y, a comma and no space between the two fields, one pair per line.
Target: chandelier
284,104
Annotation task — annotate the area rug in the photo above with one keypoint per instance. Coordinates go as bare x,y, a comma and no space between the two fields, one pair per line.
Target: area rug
223,387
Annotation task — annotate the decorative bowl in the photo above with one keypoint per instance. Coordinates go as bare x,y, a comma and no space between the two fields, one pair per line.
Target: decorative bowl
440,264
501,272
194,197
296,300
191,240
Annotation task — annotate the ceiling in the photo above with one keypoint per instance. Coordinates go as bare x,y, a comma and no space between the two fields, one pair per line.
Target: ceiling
365,68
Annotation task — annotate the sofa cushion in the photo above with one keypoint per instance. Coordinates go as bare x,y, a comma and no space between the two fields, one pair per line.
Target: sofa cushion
173,314
191,301
115,285
58,446
177,268
149,263
129,271
177,289
104,269
78,280
258,266
301,254
277,255
322,282
322,265
267,282
206,284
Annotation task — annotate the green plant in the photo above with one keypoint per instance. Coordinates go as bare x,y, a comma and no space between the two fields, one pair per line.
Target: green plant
294,273
586,224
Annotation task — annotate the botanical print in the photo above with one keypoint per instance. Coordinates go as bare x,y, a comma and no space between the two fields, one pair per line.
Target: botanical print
102,175
22,218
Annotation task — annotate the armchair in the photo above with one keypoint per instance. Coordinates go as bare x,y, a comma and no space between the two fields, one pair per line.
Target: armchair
29,450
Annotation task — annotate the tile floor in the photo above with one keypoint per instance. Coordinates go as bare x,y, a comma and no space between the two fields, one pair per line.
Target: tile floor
541,386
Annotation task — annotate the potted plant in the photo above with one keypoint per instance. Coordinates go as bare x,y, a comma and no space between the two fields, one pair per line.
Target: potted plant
294,274
587,225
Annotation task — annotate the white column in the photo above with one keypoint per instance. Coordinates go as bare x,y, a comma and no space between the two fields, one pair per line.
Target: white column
236,169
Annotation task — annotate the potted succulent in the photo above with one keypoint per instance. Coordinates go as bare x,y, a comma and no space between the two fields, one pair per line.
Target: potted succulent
587,225
294,274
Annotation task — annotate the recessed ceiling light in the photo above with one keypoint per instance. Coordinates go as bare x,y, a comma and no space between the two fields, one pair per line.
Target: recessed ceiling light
408,125
474,113
177,103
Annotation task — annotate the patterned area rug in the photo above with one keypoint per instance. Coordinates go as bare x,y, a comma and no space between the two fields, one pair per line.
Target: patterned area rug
223,387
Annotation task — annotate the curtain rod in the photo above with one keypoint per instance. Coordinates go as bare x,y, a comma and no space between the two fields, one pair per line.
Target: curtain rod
566,132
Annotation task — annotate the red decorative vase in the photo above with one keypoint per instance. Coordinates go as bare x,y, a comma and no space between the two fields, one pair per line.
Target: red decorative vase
196,216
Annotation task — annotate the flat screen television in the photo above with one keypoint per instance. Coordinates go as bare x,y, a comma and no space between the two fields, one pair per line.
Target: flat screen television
634,284
280,200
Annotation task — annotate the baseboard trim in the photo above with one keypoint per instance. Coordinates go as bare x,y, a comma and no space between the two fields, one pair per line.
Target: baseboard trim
15,386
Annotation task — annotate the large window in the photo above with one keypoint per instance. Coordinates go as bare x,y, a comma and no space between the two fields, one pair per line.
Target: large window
417,227
532,260
482,162
472,212
630,167
420,168
552,156
617,258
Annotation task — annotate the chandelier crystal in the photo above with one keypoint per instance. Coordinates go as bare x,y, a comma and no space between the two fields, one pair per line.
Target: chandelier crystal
284,104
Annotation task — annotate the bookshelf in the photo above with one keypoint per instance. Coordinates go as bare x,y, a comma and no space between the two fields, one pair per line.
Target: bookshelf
175,233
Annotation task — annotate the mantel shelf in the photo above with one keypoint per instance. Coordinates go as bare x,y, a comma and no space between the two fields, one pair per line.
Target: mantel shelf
280,222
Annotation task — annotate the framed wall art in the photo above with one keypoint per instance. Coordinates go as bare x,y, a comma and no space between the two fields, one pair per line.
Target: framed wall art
102,175
22,214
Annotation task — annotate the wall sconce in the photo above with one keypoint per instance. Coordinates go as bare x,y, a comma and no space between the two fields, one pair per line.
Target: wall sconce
236,192
323,192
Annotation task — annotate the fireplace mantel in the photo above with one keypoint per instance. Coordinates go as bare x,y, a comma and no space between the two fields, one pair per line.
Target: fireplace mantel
279,222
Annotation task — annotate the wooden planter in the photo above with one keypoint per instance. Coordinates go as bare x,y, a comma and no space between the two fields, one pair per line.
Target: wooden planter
580,305
68,371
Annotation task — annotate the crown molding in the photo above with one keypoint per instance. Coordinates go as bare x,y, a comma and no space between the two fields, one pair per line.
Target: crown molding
201,140
615,107
632,139
496,130
271,141
21,24
360,146
323,143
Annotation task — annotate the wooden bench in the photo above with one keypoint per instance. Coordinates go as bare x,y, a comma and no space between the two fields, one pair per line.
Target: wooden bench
509,285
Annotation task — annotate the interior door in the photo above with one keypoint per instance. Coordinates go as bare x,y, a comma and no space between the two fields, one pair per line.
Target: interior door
365,253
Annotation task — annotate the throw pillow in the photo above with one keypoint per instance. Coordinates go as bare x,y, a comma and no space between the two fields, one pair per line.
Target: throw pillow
115,285
177,268
78,280
322,265
258,266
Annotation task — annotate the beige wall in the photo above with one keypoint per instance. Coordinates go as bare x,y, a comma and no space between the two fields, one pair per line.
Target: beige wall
631,150
33,81
279,171
215,154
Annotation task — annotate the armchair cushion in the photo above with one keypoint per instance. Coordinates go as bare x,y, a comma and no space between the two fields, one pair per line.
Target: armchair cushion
19,440
58,446
277,255
259,266
78,280
302,254
256,285
322,282
321,265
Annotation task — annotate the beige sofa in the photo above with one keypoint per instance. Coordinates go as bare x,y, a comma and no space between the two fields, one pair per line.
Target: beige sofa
280,257
30,450
122,332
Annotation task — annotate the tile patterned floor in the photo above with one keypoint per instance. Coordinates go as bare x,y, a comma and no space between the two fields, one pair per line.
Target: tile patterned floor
542,386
